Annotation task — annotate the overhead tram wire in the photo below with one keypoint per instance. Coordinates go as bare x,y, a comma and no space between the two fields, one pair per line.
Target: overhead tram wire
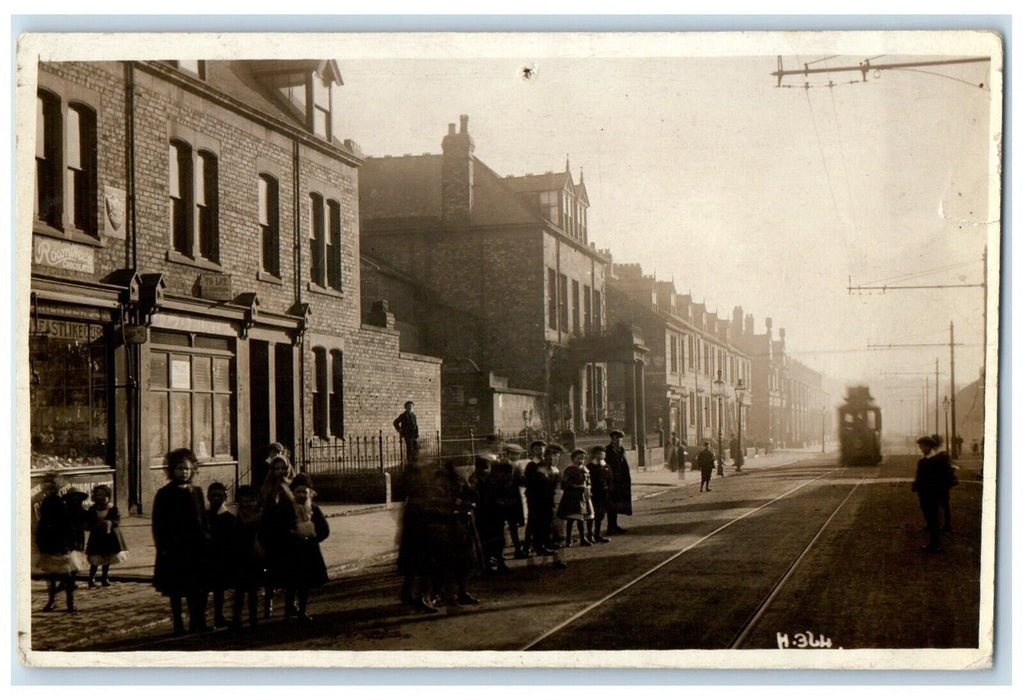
820,145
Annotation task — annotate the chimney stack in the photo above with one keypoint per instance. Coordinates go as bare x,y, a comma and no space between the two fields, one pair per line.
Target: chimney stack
457,175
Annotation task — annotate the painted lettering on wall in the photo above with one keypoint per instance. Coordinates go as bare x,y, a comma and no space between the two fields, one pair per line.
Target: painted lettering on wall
67,256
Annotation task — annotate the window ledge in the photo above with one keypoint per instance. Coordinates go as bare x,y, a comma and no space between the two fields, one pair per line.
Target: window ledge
203,264
326,291
41,228
269,277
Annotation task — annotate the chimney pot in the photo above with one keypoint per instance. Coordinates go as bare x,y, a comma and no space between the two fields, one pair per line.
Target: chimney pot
451,129
465,124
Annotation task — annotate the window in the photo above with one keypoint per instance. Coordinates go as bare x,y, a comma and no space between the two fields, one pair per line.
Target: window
598,311
549,206
270,224
582,221
325,242
337,394
190,396
692,354
71,379
194,202
552,298
563,302
197,68
576,326
674,354
587,309
569,206
321,121
66,170
321,391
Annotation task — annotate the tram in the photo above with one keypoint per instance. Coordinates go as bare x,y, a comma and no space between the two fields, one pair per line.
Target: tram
859,428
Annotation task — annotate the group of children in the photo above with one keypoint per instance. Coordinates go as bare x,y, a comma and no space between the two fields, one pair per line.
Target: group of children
270,541
62,549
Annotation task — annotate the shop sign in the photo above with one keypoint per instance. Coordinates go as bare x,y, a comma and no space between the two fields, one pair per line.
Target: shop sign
215,286
68,330
181,374
67,256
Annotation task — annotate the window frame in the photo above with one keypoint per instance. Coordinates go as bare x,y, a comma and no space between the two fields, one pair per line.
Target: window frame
193,232
268,220
325,236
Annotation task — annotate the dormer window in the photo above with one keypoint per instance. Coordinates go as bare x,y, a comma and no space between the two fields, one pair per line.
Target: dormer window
307,88
549,206
196,68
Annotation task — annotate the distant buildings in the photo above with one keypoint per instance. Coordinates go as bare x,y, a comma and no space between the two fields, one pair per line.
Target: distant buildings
497,276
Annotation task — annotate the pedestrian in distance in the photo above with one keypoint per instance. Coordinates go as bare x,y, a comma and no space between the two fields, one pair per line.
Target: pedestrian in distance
931,484
247,555
508,482
536,452
945,505
222,523
620,492
106,543
181,538
600,478
576,505
57,557
735,449
408,428
705,461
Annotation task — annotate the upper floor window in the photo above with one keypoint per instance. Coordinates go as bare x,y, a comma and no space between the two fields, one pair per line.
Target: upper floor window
321,112
567,223
325,242
563,302
576,323
194,202
552,298
598,311
309,94
196,68
587,309
65,168
549,206
270,224
674,353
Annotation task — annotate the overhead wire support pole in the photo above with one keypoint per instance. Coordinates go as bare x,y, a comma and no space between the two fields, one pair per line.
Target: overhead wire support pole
865,67
886,287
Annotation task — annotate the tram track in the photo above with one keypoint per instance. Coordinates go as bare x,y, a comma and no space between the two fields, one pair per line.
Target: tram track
765,601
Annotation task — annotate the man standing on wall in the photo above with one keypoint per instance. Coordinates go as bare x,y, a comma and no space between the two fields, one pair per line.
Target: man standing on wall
408,428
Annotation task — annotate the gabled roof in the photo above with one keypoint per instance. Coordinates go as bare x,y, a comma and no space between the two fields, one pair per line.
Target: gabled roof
540,183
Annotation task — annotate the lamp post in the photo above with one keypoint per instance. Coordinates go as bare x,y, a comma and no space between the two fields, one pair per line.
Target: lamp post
719,392
824,418
946,403
740,394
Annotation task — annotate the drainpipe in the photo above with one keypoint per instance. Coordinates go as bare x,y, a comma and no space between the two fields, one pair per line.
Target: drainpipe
297,214
133,352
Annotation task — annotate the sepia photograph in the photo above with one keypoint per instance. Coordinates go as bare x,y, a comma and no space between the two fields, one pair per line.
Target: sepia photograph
532,350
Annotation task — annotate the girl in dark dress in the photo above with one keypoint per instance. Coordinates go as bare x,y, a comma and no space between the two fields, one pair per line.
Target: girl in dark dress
294,531
275,489
576,505
106,543
180,535
247,554
58,557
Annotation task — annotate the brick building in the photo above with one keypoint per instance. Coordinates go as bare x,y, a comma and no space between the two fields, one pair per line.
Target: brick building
497,276
788,397
689,350
195,273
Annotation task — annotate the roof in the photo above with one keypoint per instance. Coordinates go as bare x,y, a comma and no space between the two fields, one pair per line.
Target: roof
409,187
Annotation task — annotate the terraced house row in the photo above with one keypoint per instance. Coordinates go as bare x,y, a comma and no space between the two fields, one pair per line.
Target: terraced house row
214,268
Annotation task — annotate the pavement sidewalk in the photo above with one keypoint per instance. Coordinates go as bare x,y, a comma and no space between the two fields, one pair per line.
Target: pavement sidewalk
367,535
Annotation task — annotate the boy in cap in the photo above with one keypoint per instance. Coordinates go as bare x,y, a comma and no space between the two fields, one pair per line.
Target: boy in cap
931,484
508,496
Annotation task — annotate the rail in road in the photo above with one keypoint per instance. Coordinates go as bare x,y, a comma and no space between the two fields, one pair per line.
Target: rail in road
809,554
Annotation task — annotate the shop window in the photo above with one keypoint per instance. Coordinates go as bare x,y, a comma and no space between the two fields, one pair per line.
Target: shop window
270,224
65,144
70,384
190,397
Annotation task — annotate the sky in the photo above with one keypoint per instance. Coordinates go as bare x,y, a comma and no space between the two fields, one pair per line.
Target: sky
704,172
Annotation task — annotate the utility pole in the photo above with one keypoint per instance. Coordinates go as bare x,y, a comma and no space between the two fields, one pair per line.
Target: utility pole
952,373
866,67
935,394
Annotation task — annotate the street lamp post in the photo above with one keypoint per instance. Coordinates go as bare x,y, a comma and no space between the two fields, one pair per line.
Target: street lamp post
719,392
740,394
824,420
945,403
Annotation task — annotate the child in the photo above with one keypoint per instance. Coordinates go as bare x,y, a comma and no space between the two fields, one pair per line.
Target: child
536,448
275,489
222,524
600,480
576,505
180,534
106,543
57,558
294,531
250,567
